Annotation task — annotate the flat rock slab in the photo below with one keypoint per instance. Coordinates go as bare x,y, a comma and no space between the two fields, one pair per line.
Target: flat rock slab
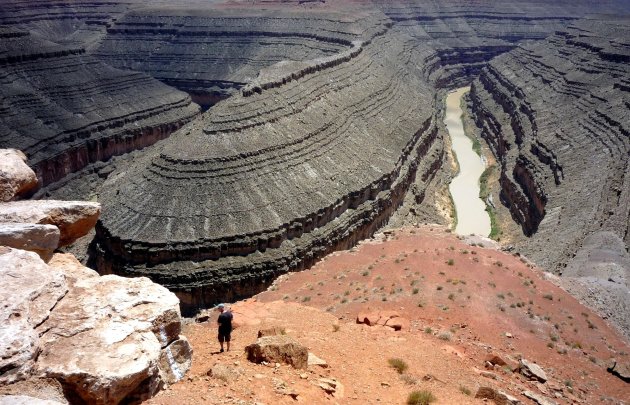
73,218
41,239
532,371
16,178
26,400
539,399
497,396
279,349
29,290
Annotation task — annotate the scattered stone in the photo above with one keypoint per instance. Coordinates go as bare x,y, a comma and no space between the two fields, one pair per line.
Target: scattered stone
390,319
499,397
532,371
278,348
316,361
73,218
621,370
282,388
331,386
488,374
539,399
228,373
16,178
41,239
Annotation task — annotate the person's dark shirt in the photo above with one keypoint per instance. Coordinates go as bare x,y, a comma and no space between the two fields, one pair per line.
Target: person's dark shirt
225,321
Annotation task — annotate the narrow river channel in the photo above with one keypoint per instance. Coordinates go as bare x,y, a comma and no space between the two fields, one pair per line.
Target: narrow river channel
471,210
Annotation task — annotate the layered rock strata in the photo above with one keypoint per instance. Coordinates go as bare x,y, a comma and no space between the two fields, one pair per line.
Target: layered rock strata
556,116
276,178
209,53
65,109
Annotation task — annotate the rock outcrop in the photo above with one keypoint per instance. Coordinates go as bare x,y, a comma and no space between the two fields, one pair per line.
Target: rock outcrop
73,218
105,339
76,110
16,178
41,239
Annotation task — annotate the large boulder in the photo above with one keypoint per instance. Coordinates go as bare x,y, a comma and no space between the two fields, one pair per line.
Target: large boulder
16,178
110,336
29,290
105,339
278,349
73,218
41,239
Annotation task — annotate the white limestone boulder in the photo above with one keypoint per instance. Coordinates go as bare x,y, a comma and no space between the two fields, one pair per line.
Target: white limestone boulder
41,239
106,339
73,218
29,290
16,178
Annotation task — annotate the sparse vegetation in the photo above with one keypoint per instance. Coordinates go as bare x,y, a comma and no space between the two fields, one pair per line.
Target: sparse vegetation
548,297
450,262
398,364
464,390
423,397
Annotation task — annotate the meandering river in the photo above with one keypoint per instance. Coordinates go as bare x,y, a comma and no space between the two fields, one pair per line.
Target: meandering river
471,210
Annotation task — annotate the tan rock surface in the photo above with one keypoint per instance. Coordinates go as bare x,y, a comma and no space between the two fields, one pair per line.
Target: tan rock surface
41,239
105,339
28,291
278,349
73,218
71,268
16,178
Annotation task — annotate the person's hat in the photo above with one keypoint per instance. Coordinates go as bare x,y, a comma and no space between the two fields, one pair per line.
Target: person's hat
220,306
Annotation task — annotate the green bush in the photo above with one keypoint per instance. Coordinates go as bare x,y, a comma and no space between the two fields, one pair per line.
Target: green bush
398,364
423,397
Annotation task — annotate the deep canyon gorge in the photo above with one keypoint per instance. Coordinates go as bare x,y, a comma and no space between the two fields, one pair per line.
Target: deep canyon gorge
227,145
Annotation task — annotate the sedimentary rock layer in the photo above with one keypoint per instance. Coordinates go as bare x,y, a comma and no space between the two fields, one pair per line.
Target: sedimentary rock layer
65,109
276,178
209,53
556,115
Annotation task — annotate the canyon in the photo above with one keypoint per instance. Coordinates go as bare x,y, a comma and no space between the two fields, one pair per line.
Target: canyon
231,146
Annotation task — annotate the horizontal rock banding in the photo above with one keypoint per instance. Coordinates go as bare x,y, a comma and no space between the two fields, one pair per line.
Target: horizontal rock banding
556,115
274,180
209,53
76,110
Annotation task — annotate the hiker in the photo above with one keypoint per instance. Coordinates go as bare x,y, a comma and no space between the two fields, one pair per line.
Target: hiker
225,326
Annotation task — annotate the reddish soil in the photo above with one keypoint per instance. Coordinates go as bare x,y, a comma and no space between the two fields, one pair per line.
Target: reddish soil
462,302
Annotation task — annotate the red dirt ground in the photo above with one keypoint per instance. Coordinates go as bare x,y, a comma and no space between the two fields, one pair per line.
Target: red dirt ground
462,302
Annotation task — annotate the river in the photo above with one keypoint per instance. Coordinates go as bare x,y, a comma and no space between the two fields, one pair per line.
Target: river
472,217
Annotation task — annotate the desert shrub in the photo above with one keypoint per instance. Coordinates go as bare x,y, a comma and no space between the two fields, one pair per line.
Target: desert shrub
548,297
408,379
423,397
398,364
335,327
445,336
464,390
450,262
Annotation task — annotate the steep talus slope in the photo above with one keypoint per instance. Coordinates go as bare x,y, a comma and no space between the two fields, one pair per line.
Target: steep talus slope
209,53
556,114
276,179
65,109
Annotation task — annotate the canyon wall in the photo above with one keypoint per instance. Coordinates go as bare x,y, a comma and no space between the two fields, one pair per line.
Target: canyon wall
556,115
65,109
273,179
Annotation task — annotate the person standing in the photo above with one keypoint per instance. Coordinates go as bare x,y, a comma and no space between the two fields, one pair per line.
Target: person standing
225,326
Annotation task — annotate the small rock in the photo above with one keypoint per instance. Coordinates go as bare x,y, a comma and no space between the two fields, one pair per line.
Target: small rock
539,399
331,386
276,330
259,376
304,376
488,374
621,370
532,371
16,178
316,361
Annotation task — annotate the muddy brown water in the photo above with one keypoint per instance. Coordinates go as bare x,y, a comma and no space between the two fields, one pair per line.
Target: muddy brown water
472,217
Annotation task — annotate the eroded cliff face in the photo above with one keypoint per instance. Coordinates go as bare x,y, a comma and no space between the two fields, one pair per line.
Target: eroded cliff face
211,53
271,180
65,109
555,114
